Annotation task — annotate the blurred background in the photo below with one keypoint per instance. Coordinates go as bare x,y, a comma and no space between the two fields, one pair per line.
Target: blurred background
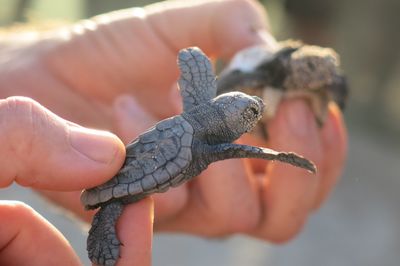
360,224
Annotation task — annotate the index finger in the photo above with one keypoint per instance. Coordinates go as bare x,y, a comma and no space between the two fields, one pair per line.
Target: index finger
26,238
135,229
135,49
220,28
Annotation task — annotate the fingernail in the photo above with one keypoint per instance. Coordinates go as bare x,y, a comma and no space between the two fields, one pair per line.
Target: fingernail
330,128
328,131
99,146
299,118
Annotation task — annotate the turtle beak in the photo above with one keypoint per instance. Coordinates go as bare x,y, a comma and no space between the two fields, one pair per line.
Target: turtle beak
260,102
261,105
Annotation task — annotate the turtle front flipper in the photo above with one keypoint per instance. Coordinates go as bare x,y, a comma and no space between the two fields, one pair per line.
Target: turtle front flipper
102,243
197,82
232,150
339,91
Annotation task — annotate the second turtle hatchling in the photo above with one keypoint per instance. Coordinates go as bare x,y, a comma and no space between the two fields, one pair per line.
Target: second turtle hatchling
294,70
177,149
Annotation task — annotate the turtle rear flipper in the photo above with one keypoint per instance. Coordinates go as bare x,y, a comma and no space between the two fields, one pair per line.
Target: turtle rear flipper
102,243
232,150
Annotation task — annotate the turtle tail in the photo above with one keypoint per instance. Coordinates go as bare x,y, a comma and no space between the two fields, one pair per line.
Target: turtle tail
103,243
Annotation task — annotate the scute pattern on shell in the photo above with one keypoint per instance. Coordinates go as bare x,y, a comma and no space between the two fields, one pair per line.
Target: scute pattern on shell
153,160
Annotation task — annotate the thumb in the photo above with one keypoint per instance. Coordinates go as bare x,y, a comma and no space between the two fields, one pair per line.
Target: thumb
42,150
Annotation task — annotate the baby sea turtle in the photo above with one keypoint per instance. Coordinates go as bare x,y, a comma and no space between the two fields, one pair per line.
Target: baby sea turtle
294,70
178,149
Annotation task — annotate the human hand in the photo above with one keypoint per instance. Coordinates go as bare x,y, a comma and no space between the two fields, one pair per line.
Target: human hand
79,71
41,150
117,53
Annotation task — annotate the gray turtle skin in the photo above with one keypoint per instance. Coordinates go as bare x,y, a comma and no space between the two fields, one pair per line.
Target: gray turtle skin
178,149
294,70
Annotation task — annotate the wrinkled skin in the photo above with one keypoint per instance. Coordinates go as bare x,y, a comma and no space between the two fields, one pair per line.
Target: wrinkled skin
110,48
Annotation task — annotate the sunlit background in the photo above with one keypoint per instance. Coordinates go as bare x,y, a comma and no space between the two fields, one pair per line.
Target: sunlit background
360,224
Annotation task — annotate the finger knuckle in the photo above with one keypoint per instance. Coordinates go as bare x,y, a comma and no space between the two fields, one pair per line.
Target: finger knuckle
22,109
247,4
245,9
23,118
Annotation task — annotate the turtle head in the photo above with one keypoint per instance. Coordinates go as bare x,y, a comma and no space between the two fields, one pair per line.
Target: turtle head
311,68
239,112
